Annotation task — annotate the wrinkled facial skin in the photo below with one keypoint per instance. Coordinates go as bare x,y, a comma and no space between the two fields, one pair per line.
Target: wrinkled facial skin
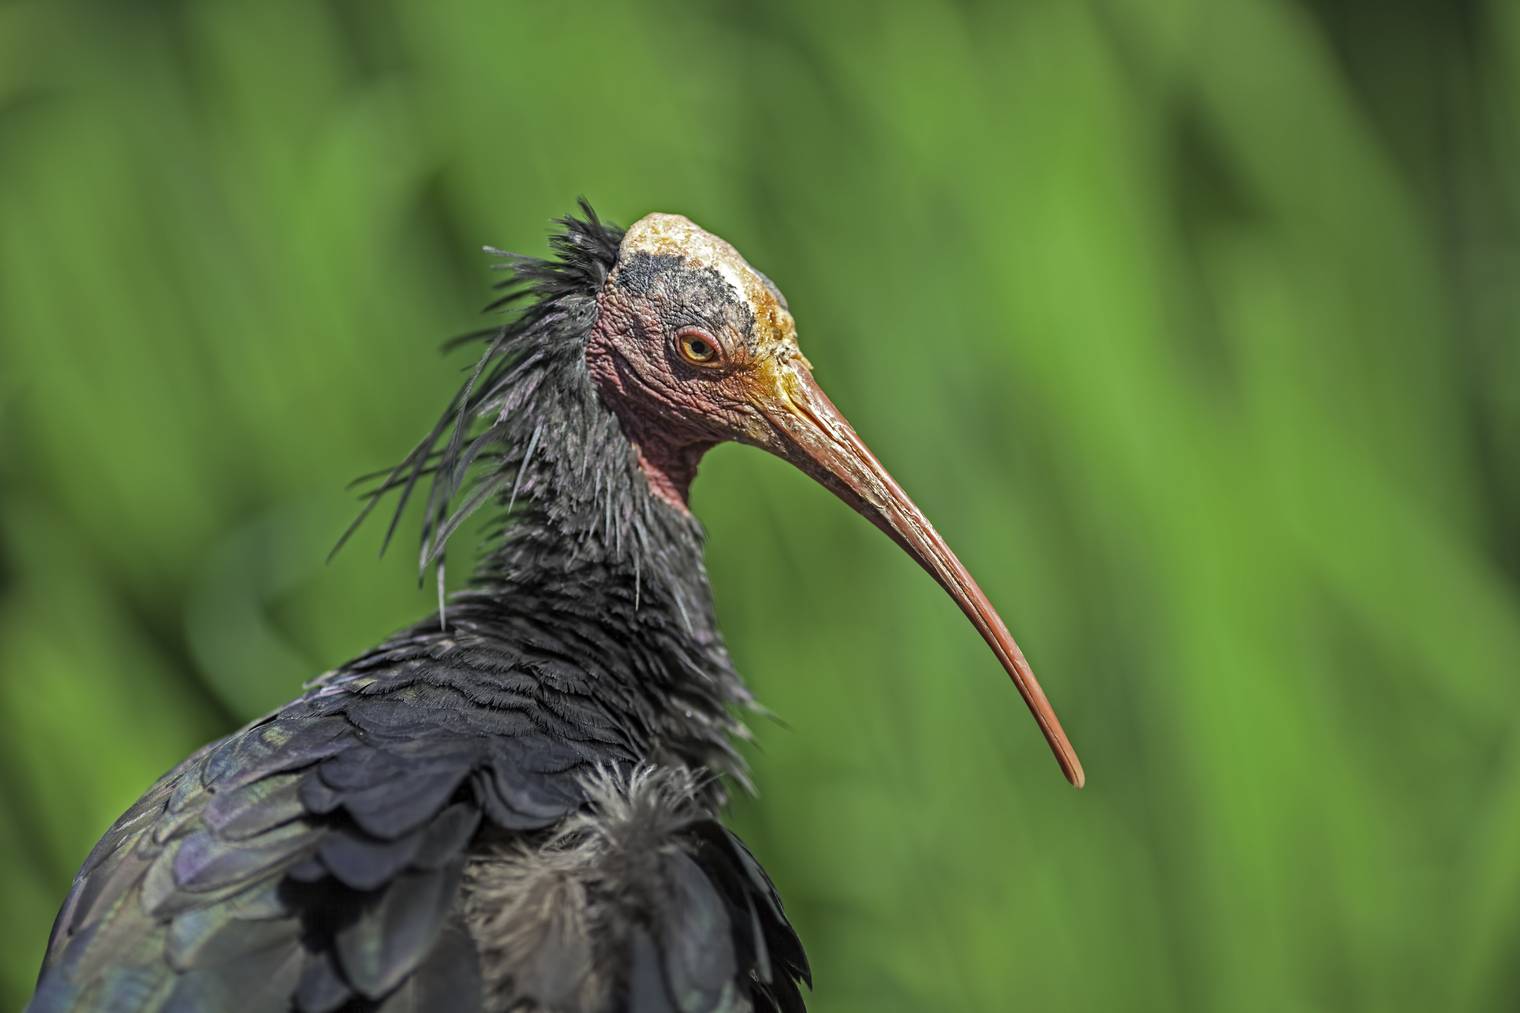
675,281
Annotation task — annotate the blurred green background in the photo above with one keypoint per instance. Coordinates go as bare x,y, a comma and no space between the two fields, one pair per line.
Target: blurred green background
1195,325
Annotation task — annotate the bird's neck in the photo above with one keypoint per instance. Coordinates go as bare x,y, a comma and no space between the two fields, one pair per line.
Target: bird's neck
669,467
593,497
597,556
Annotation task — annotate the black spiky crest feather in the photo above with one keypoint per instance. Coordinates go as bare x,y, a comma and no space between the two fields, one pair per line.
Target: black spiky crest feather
474,428
528,390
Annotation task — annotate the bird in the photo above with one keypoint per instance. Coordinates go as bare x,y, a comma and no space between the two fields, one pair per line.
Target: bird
516,803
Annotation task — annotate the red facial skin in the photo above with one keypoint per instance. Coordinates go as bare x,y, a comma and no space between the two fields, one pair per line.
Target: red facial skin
663,417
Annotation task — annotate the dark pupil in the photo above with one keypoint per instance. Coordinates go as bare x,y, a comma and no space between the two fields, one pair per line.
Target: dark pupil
699,348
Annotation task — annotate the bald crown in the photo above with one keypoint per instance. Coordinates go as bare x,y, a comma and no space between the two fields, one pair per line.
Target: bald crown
667,235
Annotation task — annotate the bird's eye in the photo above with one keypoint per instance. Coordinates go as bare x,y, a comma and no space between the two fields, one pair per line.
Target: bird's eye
697,346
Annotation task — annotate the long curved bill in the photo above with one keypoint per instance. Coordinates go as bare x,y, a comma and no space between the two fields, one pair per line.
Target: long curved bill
811,433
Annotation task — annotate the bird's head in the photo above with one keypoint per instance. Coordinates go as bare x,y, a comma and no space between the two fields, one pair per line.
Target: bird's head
694,347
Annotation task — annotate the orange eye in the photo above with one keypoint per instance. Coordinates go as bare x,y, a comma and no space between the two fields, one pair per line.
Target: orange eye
697,346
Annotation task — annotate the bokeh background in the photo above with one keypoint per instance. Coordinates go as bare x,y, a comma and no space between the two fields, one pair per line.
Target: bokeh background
1195,324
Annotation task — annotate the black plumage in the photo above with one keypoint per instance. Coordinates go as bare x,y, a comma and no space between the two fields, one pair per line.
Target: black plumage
316,857
513,805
